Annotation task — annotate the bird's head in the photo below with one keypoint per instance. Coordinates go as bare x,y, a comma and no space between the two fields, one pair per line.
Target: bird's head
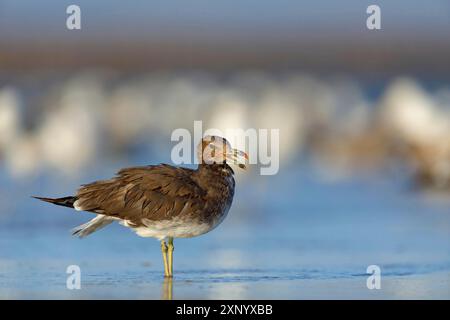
217,150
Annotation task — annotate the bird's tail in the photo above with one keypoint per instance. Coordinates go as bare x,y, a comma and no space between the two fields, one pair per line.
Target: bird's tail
91,226
65,202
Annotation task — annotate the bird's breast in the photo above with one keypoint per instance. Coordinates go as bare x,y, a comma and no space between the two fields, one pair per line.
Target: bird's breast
218,182
199,215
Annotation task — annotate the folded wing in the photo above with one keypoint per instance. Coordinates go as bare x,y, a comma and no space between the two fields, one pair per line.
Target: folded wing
151,192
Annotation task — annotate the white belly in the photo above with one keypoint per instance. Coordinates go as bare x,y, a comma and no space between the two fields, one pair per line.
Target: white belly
176,228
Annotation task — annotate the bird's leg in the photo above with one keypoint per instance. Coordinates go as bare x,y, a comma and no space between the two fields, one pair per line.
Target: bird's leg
164,254
171,247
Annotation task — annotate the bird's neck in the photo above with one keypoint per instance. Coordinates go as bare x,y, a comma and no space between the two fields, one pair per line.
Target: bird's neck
214,176
215,169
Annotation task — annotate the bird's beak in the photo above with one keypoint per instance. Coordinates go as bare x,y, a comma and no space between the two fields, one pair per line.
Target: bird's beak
238,157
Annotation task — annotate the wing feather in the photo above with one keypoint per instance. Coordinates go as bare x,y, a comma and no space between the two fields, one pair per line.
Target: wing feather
137,193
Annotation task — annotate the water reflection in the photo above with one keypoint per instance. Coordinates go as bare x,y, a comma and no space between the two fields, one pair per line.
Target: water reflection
228,290
226,258
167,289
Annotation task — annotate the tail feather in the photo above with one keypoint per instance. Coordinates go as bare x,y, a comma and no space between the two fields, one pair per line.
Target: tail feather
65,201
91,226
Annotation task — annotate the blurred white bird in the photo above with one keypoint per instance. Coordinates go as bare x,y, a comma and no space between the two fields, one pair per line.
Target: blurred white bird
17,147
69,135
414,119
10,118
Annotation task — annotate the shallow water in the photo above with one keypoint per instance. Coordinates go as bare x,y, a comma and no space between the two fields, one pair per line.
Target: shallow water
291,236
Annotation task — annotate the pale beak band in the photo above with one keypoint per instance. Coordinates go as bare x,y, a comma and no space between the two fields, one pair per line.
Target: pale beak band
239,158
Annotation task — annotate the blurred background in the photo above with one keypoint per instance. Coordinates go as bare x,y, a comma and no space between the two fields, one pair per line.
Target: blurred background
364,119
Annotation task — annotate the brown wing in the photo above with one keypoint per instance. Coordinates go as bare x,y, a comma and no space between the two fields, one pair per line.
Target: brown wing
152,192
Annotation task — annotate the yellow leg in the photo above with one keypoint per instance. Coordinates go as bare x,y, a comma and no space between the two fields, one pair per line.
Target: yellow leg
171,247
164,254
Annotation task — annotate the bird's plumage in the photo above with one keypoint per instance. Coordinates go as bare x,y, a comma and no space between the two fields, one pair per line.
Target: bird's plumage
140,196
157,196
151,192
